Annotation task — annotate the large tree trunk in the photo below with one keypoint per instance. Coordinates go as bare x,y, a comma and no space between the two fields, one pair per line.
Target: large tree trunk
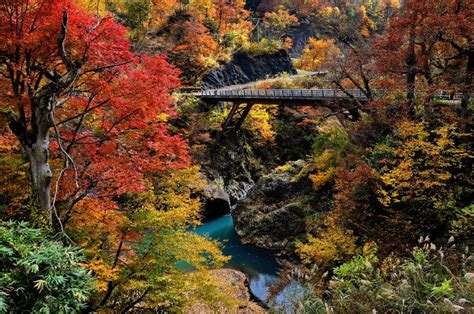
40,172
33,132
35,144
38,150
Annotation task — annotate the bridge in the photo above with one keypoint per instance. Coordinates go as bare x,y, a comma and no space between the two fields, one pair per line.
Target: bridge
244,99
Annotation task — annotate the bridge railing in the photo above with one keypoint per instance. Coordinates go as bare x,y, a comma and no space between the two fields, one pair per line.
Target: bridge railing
283,93
306,94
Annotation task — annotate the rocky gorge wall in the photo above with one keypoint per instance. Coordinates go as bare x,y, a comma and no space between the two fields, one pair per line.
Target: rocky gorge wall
244,68
264,185
273,214
300,36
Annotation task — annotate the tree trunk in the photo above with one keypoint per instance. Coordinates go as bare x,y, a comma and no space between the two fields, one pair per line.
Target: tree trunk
33,132
38,152
411,72
41,172
466,93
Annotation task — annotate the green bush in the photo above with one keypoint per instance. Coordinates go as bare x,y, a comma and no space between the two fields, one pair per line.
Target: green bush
462,225
263,47
423,284
432,280
40,275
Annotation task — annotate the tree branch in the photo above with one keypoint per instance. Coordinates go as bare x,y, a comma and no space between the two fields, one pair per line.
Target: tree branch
98,69
86,111
130,305
61,43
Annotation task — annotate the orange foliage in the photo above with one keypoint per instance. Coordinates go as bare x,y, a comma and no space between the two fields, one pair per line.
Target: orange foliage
317,53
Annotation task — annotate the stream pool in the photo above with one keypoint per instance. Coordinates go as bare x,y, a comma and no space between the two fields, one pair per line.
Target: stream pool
258,264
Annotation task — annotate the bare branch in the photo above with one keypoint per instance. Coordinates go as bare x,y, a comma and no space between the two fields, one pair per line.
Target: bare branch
61,42
98,69
86,111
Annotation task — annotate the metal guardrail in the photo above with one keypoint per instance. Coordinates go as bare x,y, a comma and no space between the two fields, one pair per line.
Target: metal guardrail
301,94
282,94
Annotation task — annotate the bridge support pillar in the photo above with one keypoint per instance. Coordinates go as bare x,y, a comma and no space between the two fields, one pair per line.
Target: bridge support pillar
240,111
243,115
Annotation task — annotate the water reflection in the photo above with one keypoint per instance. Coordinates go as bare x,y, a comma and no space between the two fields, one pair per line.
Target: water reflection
259,265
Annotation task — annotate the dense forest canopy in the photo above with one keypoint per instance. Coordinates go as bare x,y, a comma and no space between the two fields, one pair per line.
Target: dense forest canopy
107,163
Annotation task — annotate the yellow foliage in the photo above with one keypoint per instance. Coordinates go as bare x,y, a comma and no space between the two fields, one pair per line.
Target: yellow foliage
174,198
321,178
199,288
202,8
97,7
392,3
103,273
280,19
141,243
422,167
259,121
328,154
317,53
332,245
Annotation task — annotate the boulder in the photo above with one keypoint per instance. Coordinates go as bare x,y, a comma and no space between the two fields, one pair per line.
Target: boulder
235,283
238,190
273,214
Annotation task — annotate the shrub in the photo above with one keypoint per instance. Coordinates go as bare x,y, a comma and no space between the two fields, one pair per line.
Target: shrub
263,47
462,225
329,151
332,245
432,280
40,275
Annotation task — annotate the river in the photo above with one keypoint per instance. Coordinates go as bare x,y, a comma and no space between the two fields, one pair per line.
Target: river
258,264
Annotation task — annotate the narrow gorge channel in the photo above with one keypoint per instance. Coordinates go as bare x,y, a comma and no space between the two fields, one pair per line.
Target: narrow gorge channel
259,265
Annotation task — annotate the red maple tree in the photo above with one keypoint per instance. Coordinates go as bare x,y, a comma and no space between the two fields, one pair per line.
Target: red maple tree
76,97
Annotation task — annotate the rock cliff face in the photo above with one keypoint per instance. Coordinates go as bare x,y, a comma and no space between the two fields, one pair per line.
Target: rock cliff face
273,213
244,69
300,35
216,200
233,166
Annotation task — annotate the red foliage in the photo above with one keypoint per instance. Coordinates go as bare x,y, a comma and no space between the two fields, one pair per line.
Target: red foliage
111,121
437,33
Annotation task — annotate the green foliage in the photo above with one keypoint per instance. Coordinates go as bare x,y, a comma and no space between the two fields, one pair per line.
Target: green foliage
40,275
217,116
423,283
328,152
292,139
264,46
334,139
426,282
462,224
137,12
361,266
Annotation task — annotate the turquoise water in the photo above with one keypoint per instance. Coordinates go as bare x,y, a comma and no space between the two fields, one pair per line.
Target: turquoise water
259,265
